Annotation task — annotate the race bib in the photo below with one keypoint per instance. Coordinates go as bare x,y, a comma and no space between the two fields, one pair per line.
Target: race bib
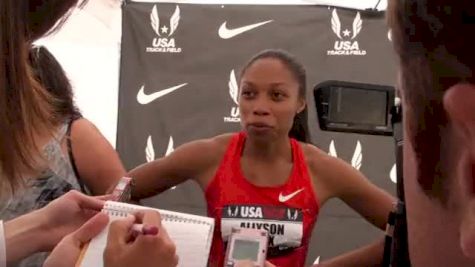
284,225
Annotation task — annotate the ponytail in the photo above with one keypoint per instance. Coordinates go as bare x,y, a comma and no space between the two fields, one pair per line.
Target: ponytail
299,130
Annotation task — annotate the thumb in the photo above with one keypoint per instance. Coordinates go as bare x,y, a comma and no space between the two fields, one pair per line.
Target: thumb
90,229
119,231
67,252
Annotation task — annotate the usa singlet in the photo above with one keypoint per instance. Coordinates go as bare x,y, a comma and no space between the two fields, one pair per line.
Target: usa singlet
288,212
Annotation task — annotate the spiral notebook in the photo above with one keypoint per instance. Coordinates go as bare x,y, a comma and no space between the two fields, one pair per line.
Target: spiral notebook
191,234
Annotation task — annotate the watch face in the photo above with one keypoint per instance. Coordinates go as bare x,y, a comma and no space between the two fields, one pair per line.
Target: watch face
123,190
245,250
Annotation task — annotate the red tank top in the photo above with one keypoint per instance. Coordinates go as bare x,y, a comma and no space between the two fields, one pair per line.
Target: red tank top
288,212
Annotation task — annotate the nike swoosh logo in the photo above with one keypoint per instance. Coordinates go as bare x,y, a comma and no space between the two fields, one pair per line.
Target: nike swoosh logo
226,33
145,99
286,198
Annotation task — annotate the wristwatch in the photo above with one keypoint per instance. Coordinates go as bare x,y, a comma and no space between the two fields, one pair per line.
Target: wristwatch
123,190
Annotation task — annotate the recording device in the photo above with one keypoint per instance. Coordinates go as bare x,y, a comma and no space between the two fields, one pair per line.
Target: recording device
246,244
355,107
373,110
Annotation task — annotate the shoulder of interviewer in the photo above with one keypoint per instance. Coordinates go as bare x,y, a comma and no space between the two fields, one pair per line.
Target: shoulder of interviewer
98,164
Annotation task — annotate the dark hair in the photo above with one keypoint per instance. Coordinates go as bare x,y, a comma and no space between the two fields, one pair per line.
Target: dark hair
434,53
51,76
26,109
299,129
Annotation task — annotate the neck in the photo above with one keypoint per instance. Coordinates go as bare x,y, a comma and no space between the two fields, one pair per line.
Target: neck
267,149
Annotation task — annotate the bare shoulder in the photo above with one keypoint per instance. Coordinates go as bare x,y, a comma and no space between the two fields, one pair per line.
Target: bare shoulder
85,132
321,164
336,174
316,158
222,140
208,149
214,144
196,159
82,125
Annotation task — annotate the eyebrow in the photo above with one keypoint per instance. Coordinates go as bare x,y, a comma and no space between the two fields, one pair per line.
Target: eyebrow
272,84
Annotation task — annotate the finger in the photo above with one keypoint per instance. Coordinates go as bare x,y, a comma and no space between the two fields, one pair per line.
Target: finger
88,202
149,217
105,197
119,231
86,215
151,220
244,263
90,229
268,264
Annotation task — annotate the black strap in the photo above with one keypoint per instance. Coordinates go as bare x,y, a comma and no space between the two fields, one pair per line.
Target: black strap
71,157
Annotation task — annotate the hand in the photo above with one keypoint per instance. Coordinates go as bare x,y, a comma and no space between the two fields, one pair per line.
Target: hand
65,215
67,252
248,263
145,249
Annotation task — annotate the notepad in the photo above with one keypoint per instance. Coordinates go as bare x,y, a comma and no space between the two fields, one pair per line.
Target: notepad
192,235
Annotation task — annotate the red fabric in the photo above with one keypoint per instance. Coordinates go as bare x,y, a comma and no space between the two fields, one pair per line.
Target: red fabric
229,188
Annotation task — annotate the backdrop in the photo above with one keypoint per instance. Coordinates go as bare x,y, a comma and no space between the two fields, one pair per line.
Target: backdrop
179,64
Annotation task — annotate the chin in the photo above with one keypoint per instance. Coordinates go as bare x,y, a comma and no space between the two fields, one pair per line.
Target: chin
259,131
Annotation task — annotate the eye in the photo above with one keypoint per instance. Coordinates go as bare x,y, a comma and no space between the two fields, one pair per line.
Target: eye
278,95
247,93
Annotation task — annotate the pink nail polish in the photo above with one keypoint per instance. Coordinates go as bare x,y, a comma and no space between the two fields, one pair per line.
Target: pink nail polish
150,230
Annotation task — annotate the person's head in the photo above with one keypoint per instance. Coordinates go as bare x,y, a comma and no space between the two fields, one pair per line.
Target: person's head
272,89
49,73
26,109
437,59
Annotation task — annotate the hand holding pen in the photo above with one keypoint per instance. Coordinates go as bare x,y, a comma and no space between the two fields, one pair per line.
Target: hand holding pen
144,244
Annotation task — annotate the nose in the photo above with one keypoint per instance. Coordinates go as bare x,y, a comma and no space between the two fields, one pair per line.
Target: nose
261,107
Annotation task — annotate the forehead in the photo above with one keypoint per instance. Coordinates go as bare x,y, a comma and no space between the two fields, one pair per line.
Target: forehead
268,70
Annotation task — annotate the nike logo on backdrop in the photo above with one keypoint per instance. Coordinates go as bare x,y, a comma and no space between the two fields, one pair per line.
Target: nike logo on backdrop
226,33
145,99
283,198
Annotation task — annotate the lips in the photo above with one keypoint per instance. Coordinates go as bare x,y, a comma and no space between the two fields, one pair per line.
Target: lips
259,125
259,128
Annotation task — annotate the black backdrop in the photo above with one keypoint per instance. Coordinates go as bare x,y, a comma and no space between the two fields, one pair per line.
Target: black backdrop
177,85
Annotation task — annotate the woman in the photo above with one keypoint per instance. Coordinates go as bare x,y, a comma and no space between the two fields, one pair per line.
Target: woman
46,148
267,176
93,161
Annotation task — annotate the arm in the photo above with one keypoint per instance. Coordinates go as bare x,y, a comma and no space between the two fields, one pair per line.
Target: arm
368,256
97,162
22,237
195,160
42,229
353,188
141,250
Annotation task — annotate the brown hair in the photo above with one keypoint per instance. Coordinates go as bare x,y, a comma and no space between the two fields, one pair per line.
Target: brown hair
53,78
432,40
26,109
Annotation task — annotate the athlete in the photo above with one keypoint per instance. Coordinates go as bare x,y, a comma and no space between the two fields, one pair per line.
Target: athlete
268,176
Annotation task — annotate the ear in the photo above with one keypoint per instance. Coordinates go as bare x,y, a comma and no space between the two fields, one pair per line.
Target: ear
459,104
301,105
